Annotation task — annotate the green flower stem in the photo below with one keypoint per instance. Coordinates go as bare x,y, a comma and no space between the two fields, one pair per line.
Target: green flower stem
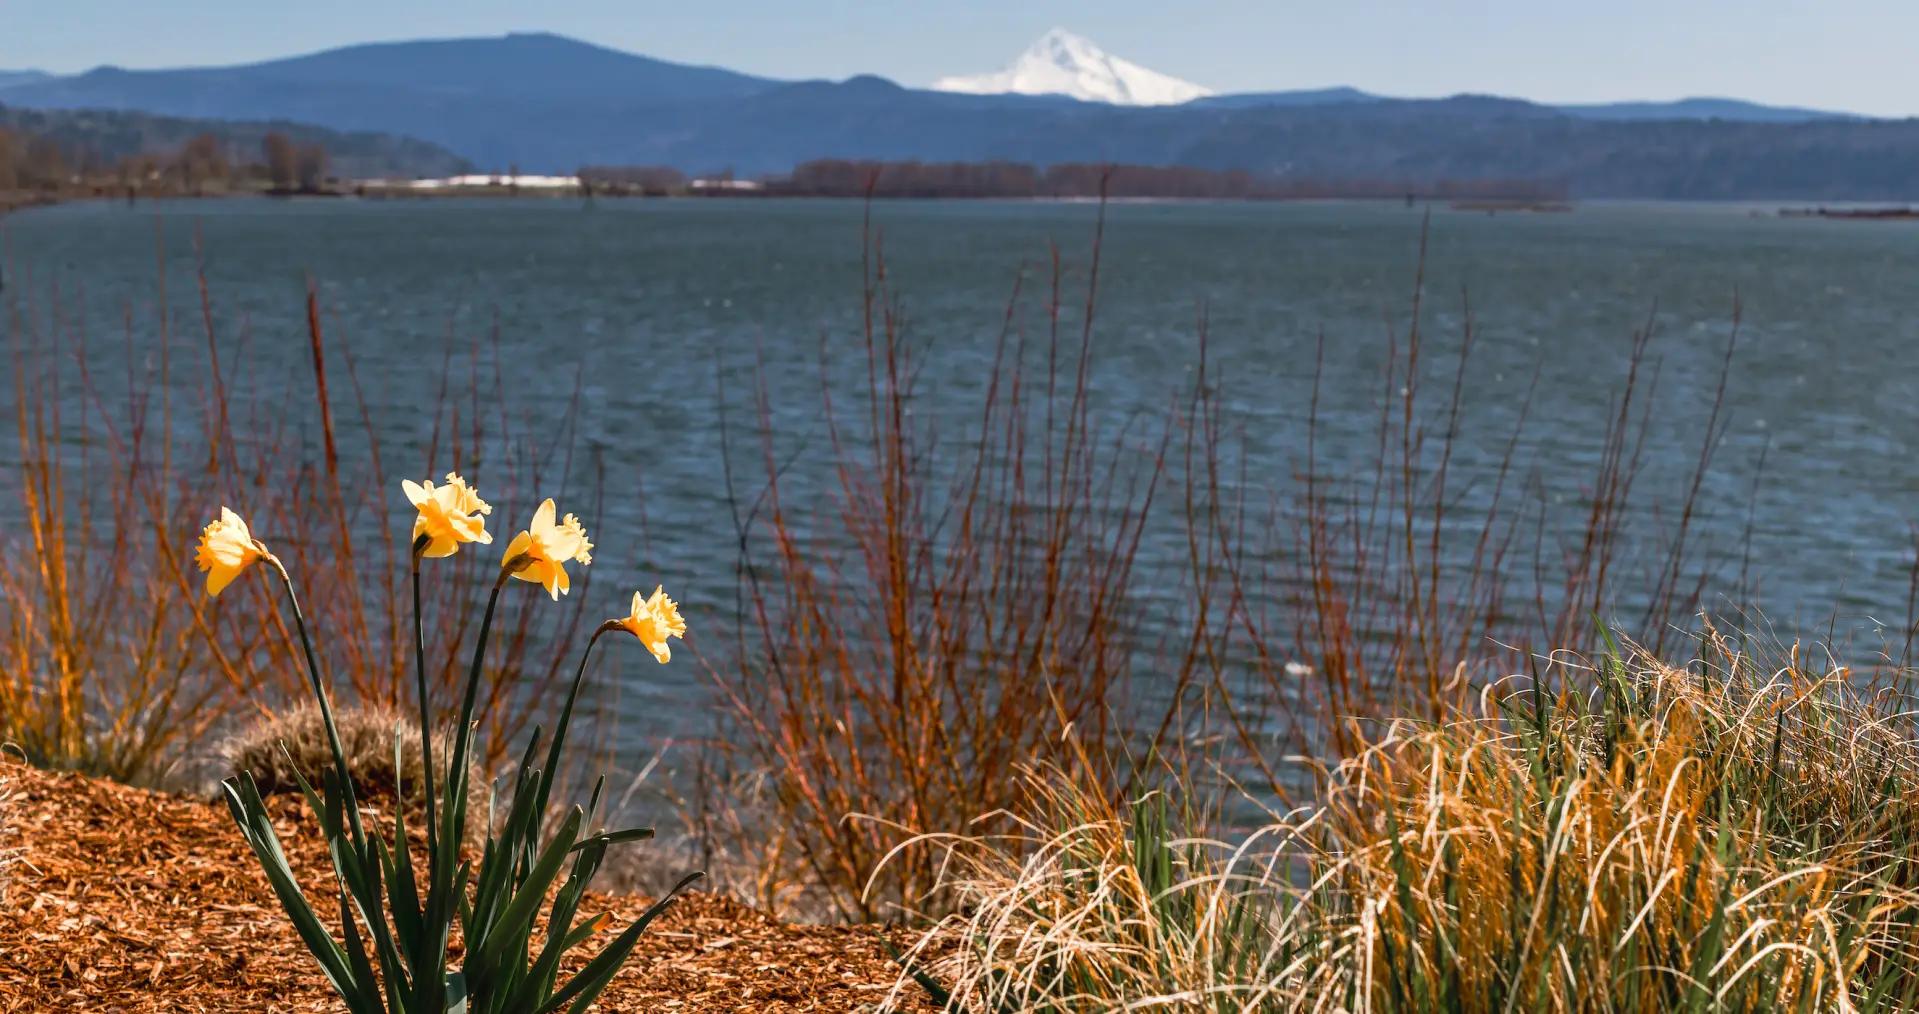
326,706
456,772
426,712
566,717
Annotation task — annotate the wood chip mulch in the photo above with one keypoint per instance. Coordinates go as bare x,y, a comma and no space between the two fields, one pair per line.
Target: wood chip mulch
130,901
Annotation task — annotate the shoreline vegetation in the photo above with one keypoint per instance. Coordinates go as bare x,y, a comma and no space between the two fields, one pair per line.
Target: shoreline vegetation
37,169
1393,754
59,160
100,143
498,187
52,155
1900,213
1077,183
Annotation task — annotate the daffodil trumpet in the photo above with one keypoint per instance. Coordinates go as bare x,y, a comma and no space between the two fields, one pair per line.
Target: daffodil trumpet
541,552
653,620
448,516
225,551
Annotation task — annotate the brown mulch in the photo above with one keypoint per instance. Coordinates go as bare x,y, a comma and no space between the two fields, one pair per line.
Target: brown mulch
126,900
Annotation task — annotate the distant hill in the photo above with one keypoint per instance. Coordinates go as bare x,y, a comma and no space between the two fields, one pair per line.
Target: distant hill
529,66
111,135
1702,109
1735,110
547,103
1420,140
15,77
1302,97
498,101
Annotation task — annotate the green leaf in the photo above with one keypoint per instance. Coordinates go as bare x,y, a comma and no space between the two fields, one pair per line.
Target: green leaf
355,949
561,934
456,993
587,984
249,812
614,837
518,914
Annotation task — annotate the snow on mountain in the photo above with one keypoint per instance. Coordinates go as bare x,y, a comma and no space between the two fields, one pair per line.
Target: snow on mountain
1062,63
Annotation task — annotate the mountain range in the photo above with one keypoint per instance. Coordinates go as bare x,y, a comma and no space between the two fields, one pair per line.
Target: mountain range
544,102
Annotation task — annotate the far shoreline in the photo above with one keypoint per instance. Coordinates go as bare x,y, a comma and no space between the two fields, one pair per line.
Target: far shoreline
1781,208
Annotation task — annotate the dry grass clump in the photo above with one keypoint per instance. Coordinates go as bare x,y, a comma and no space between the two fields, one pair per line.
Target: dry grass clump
9,830
382,748
1731,834
1075,903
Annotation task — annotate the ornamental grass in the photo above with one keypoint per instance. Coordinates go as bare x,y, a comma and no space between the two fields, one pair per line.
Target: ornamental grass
1736,833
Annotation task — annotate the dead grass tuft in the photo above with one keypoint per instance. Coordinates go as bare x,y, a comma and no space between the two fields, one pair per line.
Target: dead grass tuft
1729,834
9,831
382,749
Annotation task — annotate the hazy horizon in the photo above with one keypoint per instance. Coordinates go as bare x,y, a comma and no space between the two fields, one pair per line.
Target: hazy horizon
1635,50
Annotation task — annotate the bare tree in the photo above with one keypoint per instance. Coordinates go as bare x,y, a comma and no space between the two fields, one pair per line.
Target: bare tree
46,165
282,160
201,159
311,166
9,159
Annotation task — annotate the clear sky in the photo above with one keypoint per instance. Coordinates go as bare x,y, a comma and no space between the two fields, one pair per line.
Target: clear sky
1855,55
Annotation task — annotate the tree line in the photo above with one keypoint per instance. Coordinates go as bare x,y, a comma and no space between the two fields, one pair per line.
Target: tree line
34,161
853,178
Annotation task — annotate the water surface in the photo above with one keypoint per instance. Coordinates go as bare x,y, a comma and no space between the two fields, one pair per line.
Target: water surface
653,307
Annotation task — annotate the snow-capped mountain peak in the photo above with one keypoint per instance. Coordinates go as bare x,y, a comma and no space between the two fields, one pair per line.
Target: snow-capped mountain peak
1062,63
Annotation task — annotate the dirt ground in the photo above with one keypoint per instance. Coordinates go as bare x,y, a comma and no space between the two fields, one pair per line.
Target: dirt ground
124,900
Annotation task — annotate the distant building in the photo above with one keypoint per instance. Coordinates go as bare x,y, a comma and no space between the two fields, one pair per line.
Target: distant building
716,185
498,180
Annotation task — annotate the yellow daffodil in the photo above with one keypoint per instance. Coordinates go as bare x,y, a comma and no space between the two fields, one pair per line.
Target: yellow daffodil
226,548
540,553
449,515
653,621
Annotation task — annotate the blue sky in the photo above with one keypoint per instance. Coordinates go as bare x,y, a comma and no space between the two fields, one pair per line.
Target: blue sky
1846,54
